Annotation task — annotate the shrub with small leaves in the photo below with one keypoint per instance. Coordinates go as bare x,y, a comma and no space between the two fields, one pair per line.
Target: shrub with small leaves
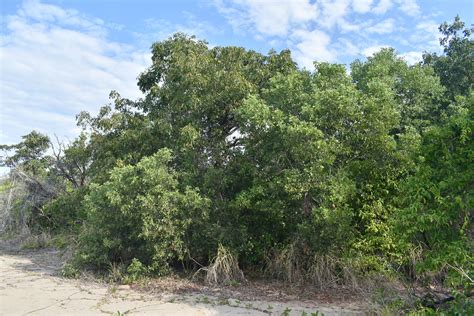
142,215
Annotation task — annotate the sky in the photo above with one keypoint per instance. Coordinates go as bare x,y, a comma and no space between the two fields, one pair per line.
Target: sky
59,57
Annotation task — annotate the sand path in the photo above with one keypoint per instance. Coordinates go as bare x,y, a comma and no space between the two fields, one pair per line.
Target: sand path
29,285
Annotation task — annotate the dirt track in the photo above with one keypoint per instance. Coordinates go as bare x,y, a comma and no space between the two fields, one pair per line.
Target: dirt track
29,285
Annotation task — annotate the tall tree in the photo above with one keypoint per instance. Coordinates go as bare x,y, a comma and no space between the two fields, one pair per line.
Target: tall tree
455,66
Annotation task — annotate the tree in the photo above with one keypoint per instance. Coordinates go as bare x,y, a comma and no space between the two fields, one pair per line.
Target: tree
72,161
455,67
29,155
30,167
435,204
192,93
48,175
329,170
415,91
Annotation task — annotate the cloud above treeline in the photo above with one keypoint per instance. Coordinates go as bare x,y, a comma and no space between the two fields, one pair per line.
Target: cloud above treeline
328,30
56,62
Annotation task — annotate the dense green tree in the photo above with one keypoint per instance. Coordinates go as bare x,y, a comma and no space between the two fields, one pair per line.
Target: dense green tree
192,93
436,202
415,90
29,154
455,67
371,166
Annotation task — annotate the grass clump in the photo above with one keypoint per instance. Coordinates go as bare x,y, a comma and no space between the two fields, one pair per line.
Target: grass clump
40,241
224,269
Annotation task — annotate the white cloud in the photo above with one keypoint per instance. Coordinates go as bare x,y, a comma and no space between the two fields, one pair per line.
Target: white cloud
382,6
370,51
266,16
312,46
160,29
346,26
322,30
362,6
55,63
428,27
333,11
385,27
39,11
412,57
425,36
346,47
409,7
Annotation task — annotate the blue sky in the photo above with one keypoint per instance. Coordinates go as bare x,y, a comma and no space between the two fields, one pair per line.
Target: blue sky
58,57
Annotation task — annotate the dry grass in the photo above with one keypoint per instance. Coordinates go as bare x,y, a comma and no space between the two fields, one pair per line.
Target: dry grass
288,264
298,266
323,271
40,241
224,269
117,272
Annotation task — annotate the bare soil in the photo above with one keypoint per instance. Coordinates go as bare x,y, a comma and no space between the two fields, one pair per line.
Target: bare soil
30,285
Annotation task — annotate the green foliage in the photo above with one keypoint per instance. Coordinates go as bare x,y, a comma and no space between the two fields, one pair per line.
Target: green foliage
455,66
70,271
461,305
330,175
29,154
414,92
436,202
136,270
142,213
65,213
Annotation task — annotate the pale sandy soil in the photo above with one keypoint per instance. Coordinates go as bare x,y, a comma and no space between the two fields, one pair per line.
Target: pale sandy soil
29,285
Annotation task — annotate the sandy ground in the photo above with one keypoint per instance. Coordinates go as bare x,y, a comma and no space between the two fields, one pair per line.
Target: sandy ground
29,285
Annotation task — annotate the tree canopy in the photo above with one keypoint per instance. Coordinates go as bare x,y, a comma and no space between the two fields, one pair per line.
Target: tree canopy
228,147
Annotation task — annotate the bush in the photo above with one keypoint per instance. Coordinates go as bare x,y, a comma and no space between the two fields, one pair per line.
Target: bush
136,270
142,214
70,271
65,213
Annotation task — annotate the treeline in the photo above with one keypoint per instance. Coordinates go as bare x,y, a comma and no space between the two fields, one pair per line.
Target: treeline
320,177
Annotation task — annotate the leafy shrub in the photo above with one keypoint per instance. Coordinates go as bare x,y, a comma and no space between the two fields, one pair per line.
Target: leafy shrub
350,176
142,214
61,241
136,270
435,205
70,271
65,213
